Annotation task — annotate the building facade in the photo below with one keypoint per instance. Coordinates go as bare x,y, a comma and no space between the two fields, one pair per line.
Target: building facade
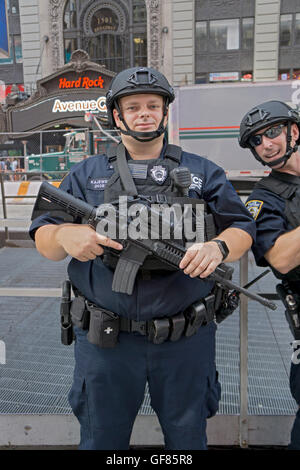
191,41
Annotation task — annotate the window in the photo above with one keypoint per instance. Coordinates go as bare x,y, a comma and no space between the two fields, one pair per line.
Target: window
18,48
296,74
201,78
284,75
107,49
139,12
70,15
217,36
201,36
12,7
224,35
140,50
114,37
246,76
70,46
289,74
297,29
247,33
285,30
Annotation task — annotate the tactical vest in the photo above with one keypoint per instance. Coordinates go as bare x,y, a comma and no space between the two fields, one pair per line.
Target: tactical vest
151,179
286,186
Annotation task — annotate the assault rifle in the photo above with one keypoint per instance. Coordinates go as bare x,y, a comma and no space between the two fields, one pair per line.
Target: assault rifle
131,258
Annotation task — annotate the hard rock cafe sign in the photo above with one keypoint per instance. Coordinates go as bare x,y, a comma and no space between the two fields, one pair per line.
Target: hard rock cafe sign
81,82
74,106
64,97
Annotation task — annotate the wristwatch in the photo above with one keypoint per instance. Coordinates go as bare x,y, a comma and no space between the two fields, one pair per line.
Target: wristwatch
222,247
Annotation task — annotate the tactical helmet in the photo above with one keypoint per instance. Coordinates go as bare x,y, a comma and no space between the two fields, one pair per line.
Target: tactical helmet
133,81
268,114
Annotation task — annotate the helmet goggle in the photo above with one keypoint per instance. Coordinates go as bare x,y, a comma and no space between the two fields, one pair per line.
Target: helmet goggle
271,133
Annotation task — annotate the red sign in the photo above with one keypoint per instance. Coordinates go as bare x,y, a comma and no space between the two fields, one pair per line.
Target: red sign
8,89
82,82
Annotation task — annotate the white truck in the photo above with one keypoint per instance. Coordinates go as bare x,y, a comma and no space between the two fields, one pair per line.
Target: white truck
205,119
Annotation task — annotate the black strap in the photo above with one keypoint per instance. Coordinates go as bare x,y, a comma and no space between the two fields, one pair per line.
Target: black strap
124,172
173,152
286,177
283,184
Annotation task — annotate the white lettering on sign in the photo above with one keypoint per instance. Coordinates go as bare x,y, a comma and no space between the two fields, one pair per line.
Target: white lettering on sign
82,105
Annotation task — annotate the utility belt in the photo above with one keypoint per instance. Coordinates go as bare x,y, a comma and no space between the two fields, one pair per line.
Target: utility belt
104,326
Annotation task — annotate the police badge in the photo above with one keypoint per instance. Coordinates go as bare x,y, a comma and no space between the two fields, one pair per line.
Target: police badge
159,174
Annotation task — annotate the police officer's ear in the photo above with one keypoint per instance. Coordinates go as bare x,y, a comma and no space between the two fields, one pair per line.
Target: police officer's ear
116,117
166,116
295,132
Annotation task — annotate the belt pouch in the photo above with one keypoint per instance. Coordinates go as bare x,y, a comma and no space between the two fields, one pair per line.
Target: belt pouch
104,327
177,326
79,313
159,330
196,316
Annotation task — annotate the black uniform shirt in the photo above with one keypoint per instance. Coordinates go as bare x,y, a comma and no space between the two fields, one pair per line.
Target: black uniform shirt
267,208
164,294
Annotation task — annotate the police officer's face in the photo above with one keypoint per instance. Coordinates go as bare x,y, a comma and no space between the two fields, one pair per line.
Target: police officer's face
272,142
142,112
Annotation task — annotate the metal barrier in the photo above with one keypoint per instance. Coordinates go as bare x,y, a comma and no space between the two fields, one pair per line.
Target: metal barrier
13,223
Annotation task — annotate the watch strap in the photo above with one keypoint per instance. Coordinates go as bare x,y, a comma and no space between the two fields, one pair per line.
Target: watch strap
222,247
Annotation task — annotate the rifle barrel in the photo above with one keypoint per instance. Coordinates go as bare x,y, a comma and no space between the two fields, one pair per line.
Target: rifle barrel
216,277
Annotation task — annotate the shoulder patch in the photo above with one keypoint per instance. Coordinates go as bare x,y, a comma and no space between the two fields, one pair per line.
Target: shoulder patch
197,181
254,207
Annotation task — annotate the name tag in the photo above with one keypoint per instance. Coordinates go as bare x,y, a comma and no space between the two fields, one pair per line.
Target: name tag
97,184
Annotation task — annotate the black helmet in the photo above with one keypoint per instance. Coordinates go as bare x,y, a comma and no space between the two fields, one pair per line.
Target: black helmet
133,81
264,115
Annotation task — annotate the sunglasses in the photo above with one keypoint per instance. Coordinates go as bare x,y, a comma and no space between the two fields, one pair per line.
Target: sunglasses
271,133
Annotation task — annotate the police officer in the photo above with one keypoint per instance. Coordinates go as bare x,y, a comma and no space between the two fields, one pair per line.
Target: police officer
109,383
271,132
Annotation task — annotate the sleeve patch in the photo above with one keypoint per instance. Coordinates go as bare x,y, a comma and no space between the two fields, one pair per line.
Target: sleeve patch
254,207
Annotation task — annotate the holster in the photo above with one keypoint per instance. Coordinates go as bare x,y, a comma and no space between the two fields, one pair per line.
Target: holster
65,317
198,314
80,315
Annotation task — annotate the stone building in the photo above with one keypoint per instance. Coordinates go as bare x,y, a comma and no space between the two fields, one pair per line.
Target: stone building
191,41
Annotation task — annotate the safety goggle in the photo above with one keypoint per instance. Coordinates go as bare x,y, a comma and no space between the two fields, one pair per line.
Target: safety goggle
271,133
